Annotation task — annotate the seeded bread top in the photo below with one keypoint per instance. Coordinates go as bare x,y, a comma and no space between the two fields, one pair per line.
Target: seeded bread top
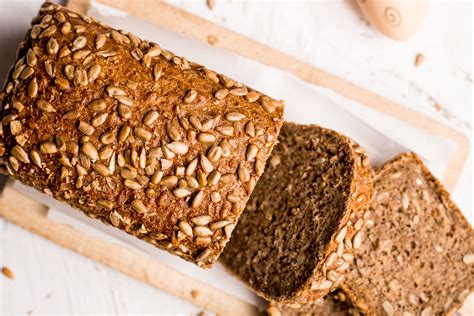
294,240
132,134
418,254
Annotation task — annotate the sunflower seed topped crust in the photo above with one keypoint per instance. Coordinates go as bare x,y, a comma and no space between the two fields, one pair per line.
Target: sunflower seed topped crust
147,158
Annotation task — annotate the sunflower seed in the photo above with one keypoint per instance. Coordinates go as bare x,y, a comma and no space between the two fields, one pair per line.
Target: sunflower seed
388,308
99,119
19,153
69,71
80,77
252,151
124,100
202,231
48,32
226,81
206,164
97,105
90,151
124,112
142,134
16,128
86,128
216,198
36,158
211,75
71,115
15,165
94,72
181,193
52,47
195,122
252,96
226,130
33,88
214,153
405,201
190,96
269,105
228,178
115,91
115,219
173,132
169,181
219,224
48,148
232,197
63,52
186,228
35,31
244,174
166,164
234,116
106,152
81,54
26,73
167,152
137,53
322,285
239,91
45,106
206,138
18,71
138,206
468,258
31,59
213,178
131,184
156,177
341,235
66,28
359,224
150,118
62,83
191,167
154,51
100,41
142,159
192,182
228,230
221,94
259,167
357,240
179,148
157,71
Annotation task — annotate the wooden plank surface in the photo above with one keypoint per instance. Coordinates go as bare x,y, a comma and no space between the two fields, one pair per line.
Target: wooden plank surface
31,215
187,24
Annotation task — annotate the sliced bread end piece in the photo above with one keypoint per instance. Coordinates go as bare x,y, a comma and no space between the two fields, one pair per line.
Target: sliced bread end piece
295,239
418,252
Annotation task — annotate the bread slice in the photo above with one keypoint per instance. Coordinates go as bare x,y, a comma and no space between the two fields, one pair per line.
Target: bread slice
418,254
295,238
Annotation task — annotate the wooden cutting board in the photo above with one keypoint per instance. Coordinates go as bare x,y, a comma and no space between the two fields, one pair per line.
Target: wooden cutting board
32,215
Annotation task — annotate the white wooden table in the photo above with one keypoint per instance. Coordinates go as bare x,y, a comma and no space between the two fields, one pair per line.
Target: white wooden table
329,34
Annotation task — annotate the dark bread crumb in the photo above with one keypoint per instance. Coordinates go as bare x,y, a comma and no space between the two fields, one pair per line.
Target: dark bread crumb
418,256
299,205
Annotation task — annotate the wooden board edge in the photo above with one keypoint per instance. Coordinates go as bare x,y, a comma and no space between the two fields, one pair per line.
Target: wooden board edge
31,215
182,22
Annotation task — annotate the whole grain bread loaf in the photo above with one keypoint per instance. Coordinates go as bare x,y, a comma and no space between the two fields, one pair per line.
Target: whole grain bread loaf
295,239
133,135
417,257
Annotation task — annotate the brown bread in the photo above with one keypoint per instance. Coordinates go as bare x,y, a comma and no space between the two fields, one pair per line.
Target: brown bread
295,239
417,257
133,135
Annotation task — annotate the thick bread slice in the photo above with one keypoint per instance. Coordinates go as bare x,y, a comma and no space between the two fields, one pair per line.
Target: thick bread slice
133,135
417,257
295,239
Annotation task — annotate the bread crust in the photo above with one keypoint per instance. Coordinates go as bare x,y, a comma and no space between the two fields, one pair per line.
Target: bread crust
357,298
134,135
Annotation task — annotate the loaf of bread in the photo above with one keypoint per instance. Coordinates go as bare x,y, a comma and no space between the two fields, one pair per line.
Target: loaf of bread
133,135
417,257
295,239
